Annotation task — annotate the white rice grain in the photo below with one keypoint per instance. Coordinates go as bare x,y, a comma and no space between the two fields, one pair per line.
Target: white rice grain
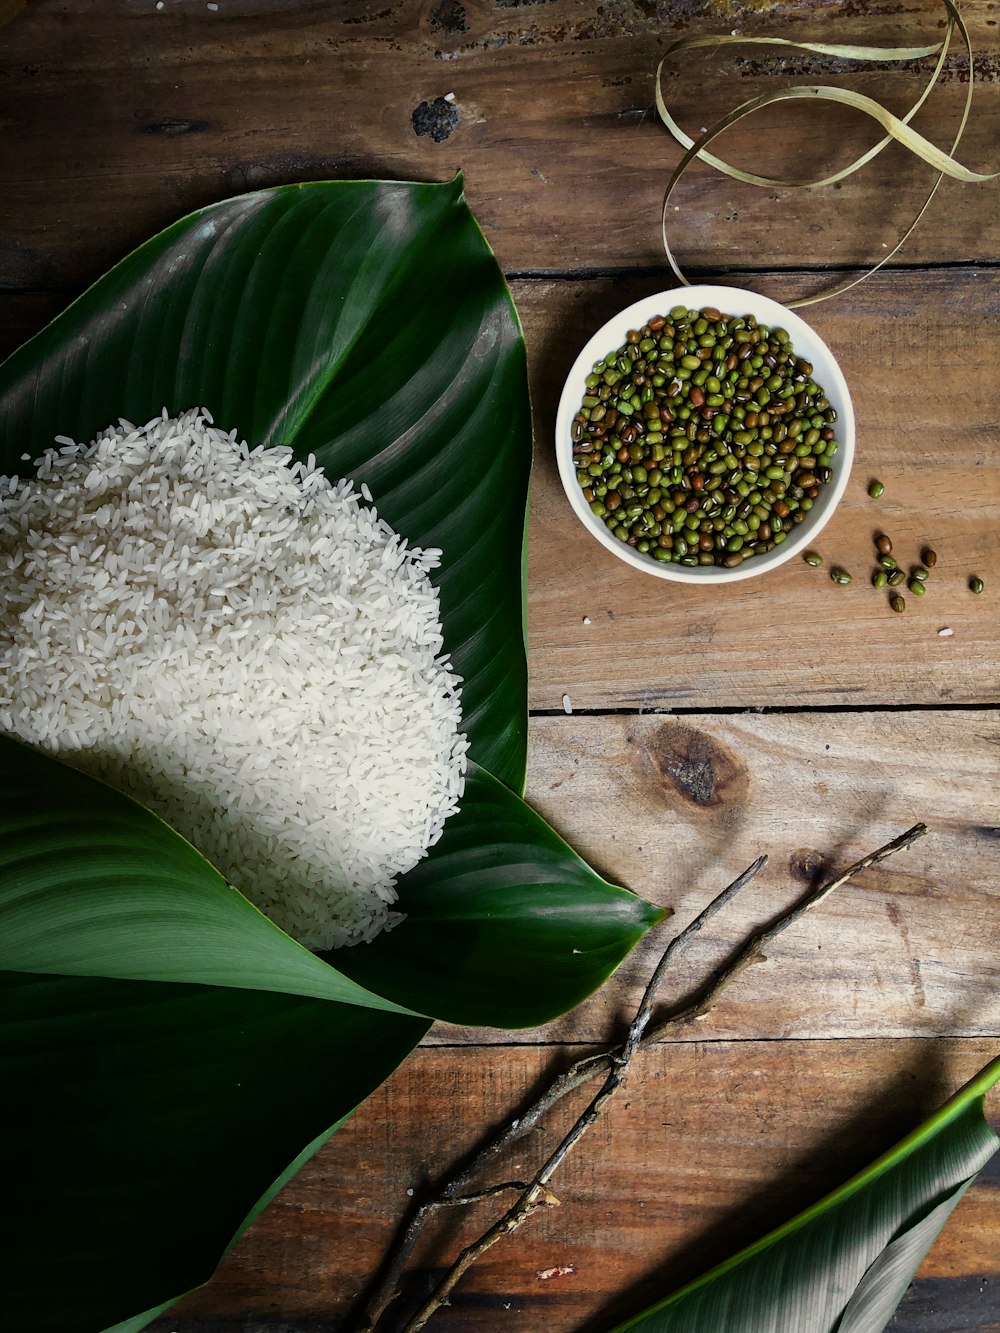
244,647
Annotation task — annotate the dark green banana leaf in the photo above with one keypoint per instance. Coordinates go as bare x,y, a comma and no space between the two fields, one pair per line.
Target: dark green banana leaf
502,900
167,1055
143,1120
364,322
94,884
844,1265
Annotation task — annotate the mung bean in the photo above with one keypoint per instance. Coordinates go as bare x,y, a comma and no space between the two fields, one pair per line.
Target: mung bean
897,603
875,489
703,439
976,584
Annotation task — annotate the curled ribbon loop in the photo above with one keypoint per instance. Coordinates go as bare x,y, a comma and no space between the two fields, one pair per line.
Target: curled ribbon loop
897,128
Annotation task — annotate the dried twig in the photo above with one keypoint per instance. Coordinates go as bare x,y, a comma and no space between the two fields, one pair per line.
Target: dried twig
451,1192
752,951
613,1064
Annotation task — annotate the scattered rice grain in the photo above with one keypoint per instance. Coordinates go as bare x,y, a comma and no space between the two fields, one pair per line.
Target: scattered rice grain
243,646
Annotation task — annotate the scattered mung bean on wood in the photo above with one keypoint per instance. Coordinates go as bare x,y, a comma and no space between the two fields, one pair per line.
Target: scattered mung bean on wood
887,572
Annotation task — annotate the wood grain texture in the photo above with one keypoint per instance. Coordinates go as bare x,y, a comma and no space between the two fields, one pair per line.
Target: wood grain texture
652,644
926,393
675,808
709,1146
24,314
142,114
116,119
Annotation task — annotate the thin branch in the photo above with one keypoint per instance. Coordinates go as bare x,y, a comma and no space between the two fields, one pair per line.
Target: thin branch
617,1061
752,951
393,1267
460,1200
580,1073
613,1064
621,1058
645,1011
590,1066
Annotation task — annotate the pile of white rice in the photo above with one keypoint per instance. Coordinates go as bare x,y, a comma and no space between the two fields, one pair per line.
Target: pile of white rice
244,647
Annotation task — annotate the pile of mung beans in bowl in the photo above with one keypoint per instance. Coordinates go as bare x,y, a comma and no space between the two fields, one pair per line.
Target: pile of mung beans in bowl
705,434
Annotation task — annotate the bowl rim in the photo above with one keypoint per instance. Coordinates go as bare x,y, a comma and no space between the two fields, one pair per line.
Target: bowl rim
767,311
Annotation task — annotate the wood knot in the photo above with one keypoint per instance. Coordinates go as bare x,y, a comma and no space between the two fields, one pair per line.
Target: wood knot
172,125
696,768
437,119
807,866
449,16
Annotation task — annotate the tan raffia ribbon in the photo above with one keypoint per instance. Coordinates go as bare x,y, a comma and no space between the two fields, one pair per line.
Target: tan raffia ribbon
897,128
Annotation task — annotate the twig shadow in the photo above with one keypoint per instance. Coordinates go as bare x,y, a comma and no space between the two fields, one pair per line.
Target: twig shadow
847,1150
441,1236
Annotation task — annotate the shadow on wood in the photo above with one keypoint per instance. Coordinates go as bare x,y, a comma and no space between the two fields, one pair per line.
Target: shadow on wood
892,1111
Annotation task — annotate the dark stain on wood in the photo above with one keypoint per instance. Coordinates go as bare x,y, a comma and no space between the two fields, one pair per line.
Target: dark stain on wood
284,168
895,880
172,125
947,1304
21,266
895,916
448,16
368,16
437,119
698,769
807,866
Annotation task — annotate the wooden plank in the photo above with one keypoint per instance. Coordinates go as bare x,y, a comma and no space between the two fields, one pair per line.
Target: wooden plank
674,808
655,645
23,314
925,397
709,1147
120,117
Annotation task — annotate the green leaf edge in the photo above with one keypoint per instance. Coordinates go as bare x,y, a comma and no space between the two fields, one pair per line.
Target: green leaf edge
459,180
966,1097
311,964
136,1323
457,186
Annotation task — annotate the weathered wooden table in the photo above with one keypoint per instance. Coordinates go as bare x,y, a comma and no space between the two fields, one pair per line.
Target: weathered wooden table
787,716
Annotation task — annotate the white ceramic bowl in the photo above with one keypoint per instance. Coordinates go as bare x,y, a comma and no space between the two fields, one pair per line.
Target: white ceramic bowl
731,301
